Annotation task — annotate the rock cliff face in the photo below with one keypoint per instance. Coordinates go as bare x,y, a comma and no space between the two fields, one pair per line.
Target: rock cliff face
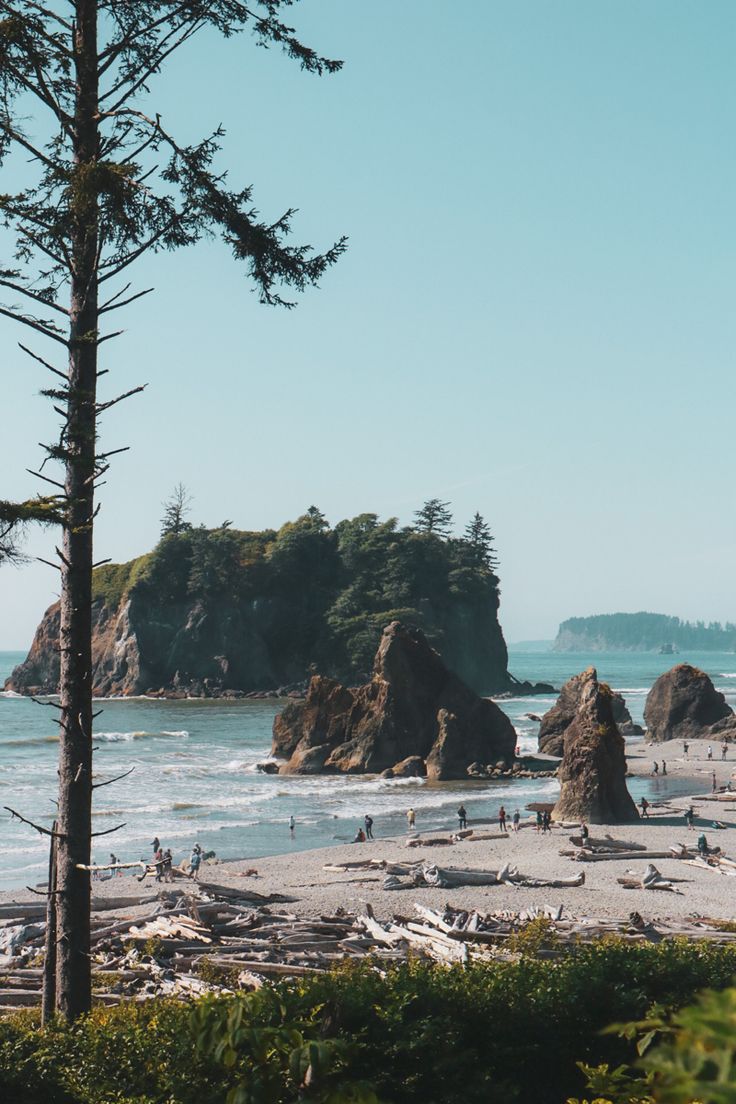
412,707
593,769
684,704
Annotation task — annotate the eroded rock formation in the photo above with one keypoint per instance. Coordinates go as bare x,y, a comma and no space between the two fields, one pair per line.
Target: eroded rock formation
684,704
412,707
593,769
558,719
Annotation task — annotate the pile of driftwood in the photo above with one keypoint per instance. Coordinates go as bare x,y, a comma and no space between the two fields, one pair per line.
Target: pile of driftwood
219,939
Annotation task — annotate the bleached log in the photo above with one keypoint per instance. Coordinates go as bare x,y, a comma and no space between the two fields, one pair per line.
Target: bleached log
611,856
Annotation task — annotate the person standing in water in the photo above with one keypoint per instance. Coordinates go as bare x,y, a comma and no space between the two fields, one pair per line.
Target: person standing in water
292,826
515,820
462,816
411,819
368,826
502,820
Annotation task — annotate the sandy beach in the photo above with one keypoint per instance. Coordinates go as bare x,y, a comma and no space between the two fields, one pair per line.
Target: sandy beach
312,890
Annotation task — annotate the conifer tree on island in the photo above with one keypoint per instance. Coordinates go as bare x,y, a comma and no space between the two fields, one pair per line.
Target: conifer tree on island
106,181
434,517
176,508
478,535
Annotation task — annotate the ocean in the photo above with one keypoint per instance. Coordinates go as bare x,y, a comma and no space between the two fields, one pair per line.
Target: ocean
195,776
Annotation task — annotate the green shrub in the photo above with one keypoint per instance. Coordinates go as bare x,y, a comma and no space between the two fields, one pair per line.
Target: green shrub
490,1033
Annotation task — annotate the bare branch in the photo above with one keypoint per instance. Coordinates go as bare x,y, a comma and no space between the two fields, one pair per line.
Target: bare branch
108,831
112,402
34,356
43,831
109,782
124,302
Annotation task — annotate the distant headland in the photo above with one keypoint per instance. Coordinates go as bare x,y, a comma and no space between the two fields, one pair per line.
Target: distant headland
643,632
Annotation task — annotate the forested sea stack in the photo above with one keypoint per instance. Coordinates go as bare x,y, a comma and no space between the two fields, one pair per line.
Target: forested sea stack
222,611
413,706
593,769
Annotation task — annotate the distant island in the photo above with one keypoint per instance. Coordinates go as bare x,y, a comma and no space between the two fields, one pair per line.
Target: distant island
643,632
213,612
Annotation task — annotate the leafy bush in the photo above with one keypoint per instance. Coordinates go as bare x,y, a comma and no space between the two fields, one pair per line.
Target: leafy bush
490,1033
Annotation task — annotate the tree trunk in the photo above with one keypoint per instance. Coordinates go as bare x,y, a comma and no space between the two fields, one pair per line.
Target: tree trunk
73,968
48,1003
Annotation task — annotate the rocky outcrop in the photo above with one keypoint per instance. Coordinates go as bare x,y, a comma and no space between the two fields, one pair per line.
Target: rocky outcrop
624,722
412,707
558,719
684,704
593,769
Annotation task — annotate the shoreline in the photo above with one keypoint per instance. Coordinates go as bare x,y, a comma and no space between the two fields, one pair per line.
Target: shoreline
312,890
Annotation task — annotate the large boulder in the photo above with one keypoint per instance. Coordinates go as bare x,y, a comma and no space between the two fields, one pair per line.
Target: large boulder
413,706
593,769
684,704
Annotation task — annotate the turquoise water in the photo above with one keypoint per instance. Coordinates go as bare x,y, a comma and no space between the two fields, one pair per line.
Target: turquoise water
195,777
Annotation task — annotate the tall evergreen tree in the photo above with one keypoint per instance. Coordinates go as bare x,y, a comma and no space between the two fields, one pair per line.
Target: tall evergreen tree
478,535
434,517
106,182
176,508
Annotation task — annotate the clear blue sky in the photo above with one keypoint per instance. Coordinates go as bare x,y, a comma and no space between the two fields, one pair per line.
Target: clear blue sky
535,317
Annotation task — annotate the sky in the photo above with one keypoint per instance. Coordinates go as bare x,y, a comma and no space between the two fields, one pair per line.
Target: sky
534,318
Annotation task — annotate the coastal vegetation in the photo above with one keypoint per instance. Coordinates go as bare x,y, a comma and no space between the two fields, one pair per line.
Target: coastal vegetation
643,632
531,1029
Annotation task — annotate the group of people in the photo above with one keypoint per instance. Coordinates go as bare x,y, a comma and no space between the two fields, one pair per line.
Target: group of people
162,860
709,752
655,768
364,833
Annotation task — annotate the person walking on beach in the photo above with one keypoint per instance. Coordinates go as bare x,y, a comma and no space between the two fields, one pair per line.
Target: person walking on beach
664,768
292,826
713,782
502,820
168,874
655,767
158,859
368,826
462,816
710,751
515,820
690,818
644,807
685,748
724,749
411,819
546,821
538,825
